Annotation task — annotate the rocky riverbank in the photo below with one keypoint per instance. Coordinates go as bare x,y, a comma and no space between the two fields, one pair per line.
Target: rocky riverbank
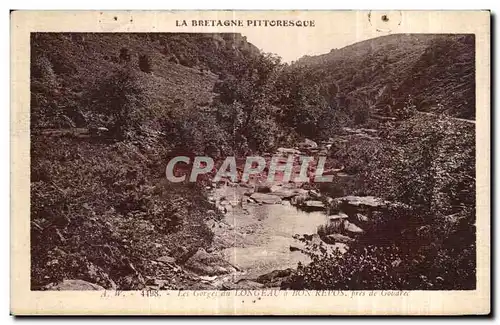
261,230
268,229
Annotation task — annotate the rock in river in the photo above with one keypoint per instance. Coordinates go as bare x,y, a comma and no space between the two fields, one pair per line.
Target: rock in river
362,217
350,227
356,201
314,205
338,238
286,192
266,198
338,216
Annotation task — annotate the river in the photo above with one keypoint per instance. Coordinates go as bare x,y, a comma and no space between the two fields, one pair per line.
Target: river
260,235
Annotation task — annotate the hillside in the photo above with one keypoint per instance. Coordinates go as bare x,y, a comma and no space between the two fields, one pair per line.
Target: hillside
184,68
100,209
435,72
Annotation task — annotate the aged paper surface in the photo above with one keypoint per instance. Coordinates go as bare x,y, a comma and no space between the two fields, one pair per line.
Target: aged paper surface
250,162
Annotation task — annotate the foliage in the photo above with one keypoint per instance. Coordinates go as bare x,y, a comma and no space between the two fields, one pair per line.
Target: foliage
244,104
123,100
103,210
428,246
384,268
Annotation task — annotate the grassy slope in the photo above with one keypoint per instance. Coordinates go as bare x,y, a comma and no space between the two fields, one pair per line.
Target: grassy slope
100,211
436,70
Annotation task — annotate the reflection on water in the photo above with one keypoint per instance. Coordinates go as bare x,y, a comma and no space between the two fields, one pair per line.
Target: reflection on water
268,233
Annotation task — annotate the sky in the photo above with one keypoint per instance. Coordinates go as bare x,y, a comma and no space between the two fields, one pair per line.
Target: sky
292,47
331,31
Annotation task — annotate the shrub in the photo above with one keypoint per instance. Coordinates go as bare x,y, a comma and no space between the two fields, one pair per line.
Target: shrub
430,246
145,63
374,267
123,98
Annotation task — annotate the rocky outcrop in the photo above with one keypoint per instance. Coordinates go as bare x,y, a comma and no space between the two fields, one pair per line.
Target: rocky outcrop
204,263
69,285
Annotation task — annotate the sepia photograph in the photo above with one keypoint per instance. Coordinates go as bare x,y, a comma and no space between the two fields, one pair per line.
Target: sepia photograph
392,118
209,162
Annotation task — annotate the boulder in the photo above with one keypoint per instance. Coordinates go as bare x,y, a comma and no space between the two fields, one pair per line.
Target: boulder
266,198
263,189
308,144
338,238
274,278
208,278
308,237
396,262
211,214
352,228
166,259
314,194
67,285
204,263
362,218
358,201
299,199
338,216
314,205
283,193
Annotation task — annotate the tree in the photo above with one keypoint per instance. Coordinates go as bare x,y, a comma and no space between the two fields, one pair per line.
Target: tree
122,98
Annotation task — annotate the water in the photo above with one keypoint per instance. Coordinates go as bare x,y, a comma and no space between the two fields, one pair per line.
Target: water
263,236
